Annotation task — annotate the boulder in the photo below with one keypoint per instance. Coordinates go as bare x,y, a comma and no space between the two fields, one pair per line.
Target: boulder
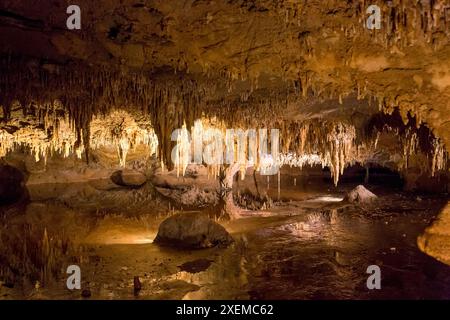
435,241
128,178
192,230
360,195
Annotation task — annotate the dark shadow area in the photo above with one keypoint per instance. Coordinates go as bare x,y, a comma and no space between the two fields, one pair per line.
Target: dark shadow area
372,175
12,186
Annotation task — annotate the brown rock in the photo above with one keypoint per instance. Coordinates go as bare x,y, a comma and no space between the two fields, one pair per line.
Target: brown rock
137,284
435,241
360,195
128,178
192,230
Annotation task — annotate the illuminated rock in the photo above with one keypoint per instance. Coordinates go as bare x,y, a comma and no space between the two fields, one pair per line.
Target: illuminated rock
360,195
128,178
192,230
435,241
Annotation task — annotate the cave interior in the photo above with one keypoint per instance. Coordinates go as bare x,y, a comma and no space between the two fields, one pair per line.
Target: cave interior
242,149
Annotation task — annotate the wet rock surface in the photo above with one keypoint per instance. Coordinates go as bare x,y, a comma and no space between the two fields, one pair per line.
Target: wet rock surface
128,178
435,240
192,230
196,266
360,195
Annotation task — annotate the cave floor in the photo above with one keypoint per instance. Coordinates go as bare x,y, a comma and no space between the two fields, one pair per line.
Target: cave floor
315,248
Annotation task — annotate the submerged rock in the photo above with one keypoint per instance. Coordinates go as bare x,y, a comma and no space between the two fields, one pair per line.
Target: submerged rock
190,196
360,195
196,266
192,230
128,178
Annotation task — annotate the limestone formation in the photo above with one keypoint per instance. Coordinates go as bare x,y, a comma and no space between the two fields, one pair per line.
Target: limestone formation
128,178
360,195
192,230
435,240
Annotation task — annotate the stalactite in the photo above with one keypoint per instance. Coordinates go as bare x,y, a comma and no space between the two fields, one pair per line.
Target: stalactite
58,136
407,21
413,138
440,157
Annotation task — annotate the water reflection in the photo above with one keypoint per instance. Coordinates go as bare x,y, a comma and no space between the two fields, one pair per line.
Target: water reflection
289,252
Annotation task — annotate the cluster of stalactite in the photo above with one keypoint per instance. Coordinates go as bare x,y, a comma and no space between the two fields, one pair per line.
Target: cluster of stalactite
120,129
414,137
337,145
411,145
169,102
54,134
405,22
43,130
332,144
70,96
86,91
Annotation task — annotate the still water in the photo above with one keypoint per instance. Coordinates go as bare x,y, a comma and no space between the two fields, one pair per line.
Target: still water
312,248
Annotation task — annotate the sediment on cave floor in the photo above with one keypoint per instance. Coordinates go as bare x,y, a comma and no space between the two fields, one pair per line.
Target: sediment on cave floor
218,150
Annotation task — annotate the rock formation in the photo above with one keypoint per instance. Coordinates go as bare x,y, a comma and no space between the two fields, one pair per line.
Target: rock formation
360,195
435,241
192,230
